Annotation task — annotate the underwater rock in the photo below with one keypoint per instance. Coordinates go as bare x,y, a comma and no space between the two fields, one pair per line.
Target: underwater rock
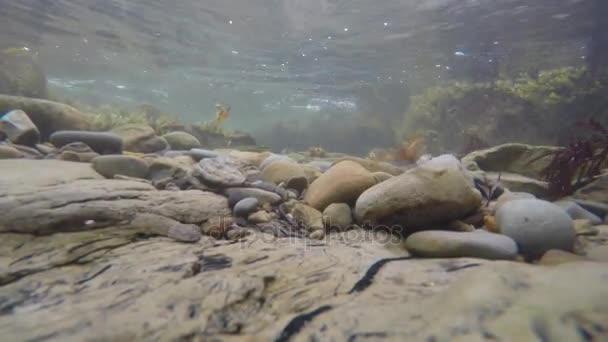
70,197
245,207
577,212
181,141
112,165
337,216
236,194
342,183
20,75
526,160
309,217
447,244
518,183
556,257
9,152
19,128
272,158
286,172
436,192
508,196
76,151
48,116
46,148
253,158
321,165
100,142
27,152
217,227
260,217
381,176
221,171
373,166
199,153
596,191
536,225
140,138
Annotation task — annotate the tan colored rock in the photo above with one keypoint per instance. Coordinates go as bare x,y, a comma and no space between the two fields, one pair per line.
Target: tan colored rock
338,216
342,183
261,216
557,257
254,158
584,227
8,152
436,192
381,176
373,166
140,138
311,218
526,160
217,227
282,171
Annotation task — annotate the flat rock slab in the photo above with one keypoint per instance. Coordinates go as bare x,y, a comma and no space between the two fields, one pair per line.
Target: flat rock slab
108,285
46,197
446,244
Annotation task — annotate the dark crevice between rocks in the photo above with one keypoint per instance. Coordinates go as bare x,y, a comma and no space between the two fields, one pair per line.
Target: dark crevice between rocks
94,275
368,278
453,266
11,277
366,335
297,323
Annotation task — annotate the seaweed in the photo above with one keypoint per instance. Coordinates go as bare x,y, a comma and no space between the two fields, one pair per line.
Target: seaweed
579,162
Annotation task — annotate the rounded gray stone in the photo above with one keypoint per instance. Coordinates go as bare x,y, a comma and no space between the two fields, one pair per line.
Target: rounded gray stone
100,142
537,226
235,195
448,244
112,165
245,207
577,212
199,153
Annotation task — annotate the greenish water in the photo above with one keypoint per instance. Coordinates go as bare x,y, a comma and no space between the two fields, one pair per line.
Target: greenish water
306,66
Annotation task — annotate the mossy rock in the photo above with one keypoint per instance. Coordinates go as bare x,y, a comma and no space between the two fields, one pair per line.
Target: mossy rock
20,75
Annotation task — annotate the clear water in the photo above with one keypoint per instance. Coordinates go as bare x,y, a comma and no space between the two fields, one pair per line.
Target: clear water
289,61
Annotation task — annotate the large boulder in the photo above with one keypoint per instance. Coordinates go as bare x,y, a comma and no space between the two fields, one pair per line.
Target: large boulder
48,116
140,138
342,183
435,192
526,160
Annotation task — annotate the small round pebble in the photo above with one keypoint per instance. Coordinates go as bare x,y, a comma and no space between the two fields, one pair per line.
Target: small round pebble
338,215
245,207
537,226
448,244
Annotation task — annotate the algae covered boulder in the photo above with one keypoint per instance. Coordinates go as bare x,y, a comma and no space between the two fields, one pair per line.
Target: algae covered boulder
48,116
20,75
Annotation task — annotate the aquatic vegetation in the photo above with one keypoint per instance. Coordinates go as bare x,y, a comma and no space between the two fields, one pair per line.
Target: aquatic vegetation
108,117
20,74
411,149
542,107
222,113
579,161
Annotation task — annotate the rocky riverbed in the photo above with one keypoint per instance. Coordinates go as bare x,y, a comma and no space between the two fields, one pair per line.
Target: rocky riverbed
127,235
